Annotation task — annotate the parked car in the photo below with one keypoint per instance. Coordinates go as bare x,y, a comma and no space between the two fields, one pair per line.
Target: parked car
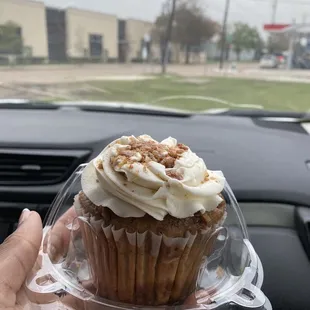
281,58
269,62
302,62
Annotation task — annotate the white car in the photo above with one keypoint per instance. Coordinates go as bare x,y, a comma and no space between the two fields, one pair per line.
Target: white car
269,62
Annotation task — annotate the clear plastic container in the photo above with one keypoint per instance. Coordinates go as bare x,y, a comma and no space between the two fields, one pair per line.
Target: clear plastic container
230,277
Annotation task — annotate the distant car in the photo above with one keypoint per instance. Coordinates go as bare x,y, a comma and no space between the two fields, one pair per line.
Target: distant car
302,62
269,62
280,58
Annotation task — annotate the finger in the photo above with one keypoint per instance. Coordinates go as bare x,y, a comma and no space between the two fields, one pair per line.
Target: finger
19,252
59,236
200,297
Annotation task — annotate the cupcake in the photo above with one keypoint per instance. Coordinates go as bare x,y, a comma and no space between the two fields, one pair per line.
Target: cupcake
149,212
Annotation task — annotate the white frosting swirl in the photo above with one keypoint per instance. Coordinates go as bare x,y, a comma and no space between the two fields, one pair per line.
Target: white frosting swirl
133,189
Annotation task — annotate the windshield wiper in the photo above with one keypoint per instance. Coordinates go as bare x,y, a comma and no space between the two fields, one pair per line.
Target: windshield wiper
305,119
134,110
21,104
265,114
124,107
94,106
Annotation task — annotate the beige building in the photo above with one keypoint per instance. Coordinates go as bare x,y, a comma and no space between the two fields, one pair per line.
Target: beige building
61,35
30,17
91,34
135,32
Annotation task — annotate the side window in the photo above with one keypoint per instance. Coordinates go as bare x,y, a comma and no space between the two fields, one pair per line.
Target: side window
95,45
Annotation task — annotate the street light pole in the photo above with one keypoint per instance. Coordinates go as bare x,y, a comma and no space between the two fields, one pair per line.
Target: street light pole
291,47
224,31
273,16
274,11
168,38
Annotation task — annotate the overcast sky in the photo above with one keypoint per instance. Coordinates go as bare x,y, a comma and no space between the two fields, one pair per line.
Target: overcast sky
255,12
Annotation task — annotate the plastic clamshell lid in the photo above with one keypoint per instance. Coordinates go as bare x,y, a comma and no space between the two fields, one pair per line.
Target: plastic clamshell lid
231,275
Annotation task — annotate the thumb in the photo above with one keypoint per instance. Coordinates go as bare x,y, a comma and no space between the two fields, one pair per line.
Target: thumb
19,251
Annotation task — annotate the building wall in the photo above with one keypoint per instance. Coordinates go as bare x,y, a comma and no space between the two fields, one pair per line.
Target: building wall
81,23
135,31
30,16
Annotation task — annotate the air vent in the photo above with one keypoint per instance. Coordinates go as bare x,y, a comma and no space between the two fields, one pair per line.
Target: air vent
38,167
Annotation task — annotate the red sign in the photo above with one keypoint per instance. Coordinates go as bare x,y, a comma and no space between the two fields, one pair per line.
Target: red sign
276,27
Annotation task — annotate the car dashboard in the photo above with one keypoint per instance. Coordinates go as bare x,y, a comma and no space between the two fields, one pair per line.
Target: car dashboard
265,162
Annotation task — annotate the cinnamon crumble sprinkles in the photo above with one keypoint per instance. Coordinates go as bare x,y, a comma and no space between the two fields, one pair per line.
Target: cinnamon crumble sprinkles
100,165
206,178
174,175
215,215
149,151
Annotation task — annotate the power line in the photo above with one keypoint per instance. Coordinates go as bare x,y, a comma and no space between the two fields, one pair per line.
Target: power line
285,2
241,4
280,2
239,7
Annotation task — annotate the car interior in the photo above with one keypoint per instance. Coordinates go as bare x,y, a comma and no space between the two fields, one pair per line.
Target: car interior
264,157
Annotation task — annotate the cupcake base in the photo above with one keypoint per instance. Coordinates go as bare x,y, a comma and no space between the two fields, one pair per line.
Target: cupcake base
155,263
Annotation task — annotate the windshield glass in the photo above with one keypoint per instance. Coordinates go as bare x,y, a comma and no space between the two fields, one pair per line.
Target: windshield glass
193,55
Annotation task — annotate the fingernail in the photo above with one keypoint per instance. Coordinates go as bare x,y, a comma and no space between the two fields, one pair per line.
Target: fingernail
24,215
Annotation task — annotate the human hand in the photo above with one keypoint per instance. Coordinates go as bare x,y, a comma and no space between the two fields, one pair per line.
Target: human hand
18,254
57,241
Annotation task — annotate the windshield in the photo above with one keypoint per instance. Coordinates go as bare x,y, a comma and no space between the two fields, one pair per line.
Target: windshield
182,54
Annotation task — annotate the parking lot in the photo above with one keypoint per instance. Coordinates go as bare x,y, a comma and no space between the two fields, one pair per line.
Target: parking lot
39,81
64,73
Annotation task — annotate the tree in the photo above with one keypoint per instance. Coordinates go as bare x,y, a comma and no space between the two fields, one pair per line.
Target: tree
245,37
10,39
191,27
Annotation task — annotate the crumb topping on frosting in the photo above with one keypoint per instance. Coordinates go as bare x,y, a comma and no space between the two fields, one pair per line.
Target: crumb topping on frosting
134,176
146,151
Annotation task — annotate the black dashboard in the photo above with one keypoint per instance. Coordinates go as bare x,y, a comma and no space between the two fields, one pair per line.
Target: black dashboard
265,162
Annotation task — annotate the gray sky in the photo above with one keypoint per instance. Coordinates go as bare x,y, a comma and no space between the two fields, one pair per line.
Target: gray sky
254,12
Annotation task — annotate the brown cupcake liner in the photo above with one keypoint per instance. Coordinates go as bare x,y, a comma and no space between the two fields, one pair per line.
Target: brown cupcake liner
143,268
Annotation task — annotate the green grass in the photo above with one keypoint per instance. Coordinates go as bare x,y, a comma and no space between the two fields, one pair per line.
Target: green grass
269,95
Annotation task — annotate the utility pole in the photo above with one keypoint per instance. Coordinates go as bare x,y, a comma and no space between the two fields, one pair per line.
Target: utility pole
168,38
224,33
274,11
273,18
291,47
